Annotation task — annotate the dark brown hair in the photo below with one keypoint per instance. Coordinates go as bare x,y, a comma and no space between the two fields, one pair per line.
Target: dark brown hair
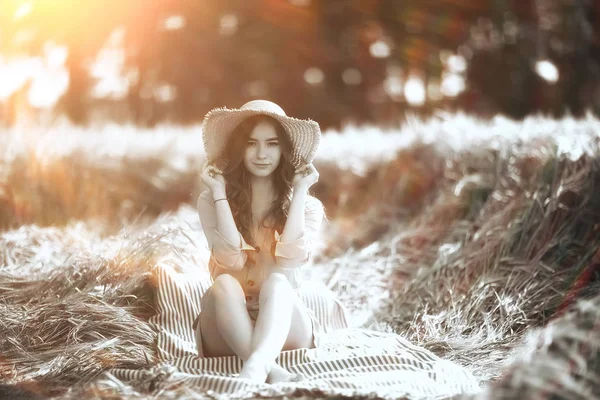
237,179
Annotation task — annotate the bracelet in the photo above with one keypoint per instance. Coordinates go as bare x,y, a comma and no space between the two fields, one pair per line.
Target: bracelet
215,202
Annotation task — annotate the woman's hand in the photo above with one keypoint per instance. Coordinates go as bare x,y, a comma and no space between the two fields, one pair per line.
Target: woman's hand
213,178
305,176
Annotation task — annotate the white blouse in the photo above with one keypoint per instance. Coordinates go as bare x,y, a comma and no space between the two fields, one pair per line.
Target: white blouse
229,258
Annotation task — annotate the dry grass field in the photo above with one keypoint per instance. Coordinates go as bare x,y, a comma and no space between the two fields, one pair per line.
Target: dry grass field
478,240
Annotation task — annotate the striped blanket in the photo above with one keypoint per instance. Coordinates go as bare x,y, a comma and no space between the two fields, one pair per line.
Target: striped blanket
348,361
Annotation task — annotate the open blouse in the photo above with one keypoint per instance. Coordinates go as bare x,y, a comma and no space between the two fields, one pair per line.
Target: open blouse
252,271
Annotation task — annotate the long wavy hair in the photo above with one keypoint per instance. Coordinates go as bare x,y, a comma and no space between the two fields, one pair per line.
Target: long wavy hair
237,179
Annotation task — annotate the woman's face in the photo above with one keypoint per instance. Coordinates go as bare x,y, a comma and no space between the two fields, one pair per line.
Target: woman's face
263,151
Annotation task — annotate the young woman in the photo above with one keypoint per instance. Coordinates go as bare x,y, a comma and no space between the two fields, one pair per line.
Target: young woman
260,223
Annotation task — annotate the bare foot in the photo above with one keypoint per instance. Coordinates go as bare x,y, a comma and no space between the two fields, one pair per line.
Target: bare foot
256,369
279,374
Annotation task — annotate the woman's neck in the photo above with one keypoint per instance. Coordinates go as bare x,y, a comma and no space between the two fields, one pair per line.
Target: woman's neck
263,192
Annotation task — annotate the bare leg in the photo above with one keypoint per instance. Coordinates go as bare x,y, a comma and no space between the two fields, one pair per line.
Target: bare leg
226,326
281,323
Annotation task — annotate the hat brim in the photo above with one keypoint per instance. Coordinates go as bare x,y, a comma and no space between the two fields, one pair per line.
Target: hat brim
219,124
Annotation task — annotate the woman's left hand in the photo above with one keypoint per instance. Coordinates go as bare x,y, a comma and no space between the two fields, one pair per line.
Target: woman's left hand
305,176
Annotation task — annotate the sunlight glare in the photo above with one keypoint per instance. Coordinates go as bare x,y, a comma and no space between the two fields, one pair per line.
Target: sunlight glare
51,81
547,70
10,80
15,73
112,87
414,91
55,55
23,37
108,69
23,10
48,87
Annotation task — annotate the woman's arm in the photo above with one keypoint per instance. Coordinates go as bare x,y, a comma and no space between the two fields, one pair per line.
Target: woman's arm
302,228
225,222
294,226
224,240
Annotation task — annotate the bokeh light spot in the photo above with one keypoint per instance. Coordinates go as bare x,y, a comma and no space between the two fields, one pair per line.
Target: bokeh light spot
165,93
380,49
414,91
393,87
228,24
352,76
434,91
174,22
457,63
444,56
314,76
300,3
452,84
547,70
257,88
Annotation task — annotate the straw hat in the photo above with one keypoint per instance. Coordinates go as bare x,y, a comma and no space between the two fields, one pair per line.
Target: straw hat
219,124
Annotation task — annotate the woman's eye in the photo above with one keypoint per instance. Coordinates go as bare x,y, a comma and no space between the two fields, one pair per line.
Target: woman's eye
268,144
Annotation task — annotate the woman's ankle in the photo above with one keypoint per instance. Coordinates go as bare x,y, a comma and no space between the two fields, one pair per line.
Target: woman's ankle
279,374
256,368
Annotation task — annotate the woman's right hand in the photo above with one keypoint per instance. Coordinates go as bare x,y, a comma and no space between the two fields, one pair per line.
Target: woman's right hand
213,178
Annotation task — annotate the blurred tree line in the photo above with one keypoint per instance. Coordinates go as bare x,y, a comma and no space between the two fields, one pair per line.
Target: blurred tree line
334,61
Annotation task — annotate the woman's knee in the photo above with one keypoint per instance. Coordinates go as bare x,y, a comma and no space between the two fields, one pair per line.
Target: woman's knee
278,279
226,285
276,282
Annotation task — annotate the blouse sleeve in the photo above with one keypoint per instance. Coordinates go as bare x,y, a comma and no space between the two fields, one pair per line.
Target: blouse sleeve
224,253
297,253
